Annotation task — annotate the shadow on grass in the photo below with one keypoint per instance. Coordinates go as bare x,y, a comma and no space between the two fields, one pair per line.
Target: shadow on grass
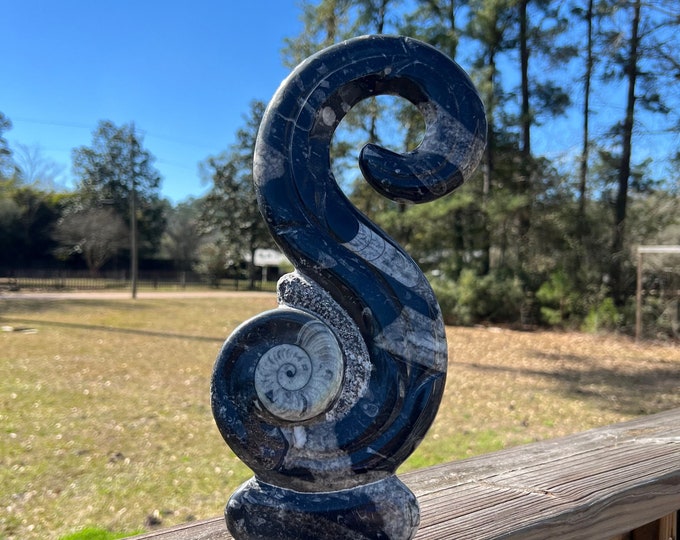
37,305
100,328
620,390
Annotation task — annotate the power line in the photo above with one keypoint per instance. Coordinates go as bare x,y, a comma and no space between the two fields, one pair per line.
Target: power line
51,123
144,132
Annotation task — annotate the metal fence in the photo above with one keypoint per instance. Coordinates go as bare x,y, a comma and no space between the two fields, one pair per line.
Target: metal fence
55,280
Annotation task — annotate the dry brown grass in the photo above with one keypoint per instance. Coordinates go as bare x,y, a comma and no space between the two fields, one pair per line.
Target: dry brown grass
106,419
506,388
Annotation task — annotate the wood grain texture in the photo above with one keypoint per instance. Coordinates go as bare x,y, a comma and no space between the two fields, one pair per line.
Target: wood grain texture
668,527
600,484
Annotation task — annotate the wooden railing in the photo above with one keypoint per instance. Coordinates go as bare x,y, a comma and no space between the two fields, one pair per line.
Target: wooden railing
619,482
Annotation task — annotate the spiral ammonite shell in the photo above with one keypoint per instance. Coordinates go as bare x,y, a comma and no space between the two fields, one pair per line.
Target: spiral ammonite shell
299,381
281,371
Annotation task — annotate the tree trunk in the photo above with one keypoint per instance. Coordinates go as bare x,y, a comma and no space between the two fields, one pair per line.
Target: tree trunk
489,166
382,10
525,117
583,173
525,123
251,270
490,135
621,204
578,262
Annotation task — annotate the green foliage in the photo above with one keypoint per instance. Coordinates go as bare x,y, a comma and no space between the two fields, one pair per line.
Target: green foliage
603,317
6,162
27,217
474,299
182,236
93,533
557,299
111,170
211,262
230,209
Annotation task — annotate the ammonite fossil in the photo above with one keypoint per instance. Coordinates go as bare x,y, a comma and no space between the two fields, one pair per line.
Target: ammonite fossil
324,397
299,381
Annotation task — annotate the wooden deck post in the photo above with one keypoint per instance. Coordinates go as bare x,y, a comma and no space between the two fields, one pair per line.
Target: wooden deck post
668,527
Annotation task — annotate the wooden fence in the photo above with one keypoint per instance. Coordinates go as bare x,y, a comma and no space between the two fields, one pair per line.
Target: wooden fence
619,482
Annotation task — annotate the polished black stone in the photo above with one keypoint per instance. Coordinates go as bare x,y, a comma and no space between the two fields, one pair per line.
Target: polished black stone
327,395
380,510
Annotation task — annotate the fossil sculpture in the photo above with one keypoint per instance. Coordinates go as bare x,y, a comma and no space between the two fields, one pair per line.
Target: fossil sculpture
325,396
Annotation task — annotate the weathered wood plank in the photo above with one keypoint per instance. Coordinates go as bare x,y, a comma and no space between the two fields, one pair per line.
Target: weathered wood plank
668,527
211,529
602,483
591,485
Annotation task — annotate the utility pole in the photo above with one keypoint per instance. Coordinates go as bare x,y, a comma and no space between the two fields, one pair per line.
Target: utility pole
133,218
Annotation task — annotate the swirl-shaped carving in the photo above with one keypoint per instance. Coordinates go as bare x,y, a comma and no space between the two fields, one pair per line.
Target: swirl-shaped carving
384,348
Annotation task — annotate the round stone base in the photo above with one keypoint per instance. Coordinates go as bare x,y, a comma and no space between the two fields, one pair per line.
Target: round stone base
385,510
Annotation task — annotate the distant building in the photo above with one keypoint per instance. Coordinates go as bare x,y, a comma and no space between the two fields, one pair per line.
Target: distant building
271,261
269,258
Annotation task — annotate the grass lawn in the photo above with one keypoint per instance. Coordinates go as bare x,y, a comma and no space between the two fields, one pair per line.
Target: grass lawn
105,415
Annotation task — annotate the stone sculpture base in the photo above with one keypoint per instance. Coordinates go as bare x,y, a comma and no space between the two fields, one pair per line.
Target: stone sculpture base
379,510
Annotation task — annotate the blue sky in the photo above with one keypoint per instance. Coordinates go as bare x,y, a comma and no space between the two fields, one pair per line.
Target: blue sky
183,72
